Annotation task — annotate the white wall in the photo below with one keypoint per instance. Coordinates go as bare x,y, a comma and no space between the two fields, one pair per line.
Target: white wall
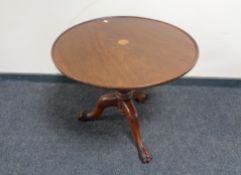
29,27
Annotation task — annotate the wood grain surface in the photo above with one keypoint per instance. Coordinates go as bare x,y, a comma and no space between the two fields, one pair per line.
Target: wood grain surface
124,52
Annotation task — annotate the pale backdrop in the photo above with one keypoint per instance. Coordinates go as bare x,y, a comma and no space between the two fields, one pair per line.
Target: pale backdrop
29,27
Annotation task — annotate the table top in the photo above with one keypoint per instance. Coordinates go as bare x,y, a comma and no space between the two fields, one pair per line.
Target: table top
124,52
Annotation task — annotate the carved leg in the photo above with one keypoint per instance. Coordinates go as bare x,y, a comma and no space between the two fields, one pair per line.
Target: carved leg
140,95
103,102
128,109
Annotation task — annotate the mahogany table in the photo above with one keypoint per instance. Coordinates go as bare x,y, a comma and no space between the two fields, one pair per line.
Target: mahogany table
125,54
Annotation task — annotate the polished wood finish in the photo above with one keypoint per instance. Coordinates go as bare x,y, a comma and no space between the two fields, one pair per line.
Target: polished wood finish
123,101
124,52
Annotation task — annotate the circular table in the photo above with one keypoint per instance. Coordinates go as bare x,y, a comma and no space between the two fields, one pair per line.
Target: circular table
126,54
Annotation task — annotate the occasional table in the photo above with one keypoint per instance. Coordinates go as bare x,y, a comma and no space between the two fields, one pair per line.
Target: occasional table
125,54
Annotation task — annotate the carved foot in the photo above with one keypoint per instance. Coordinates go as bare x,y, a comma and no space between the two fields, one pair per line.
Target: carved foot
144,155
104,101
140,96
84,116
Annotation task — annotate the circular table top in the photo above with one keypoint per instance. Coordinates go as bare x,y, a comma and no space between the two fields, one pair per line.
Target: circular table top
124,52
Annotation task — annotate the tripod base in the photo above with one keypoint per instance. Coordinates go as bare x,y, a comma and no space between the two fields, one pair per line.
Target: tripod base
122,100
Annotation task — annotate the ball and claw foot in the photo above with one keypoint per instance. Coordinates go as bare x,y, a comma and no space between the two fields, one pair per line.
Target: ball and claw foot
144,155
83,116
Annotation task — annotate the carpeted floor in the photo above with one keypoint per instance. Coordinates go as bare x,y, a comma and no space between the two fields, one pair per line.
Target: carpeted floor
190,130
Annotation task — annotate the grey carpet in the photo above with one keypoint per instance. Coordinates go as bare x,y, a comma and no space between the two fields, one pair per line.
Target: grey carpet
190,130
